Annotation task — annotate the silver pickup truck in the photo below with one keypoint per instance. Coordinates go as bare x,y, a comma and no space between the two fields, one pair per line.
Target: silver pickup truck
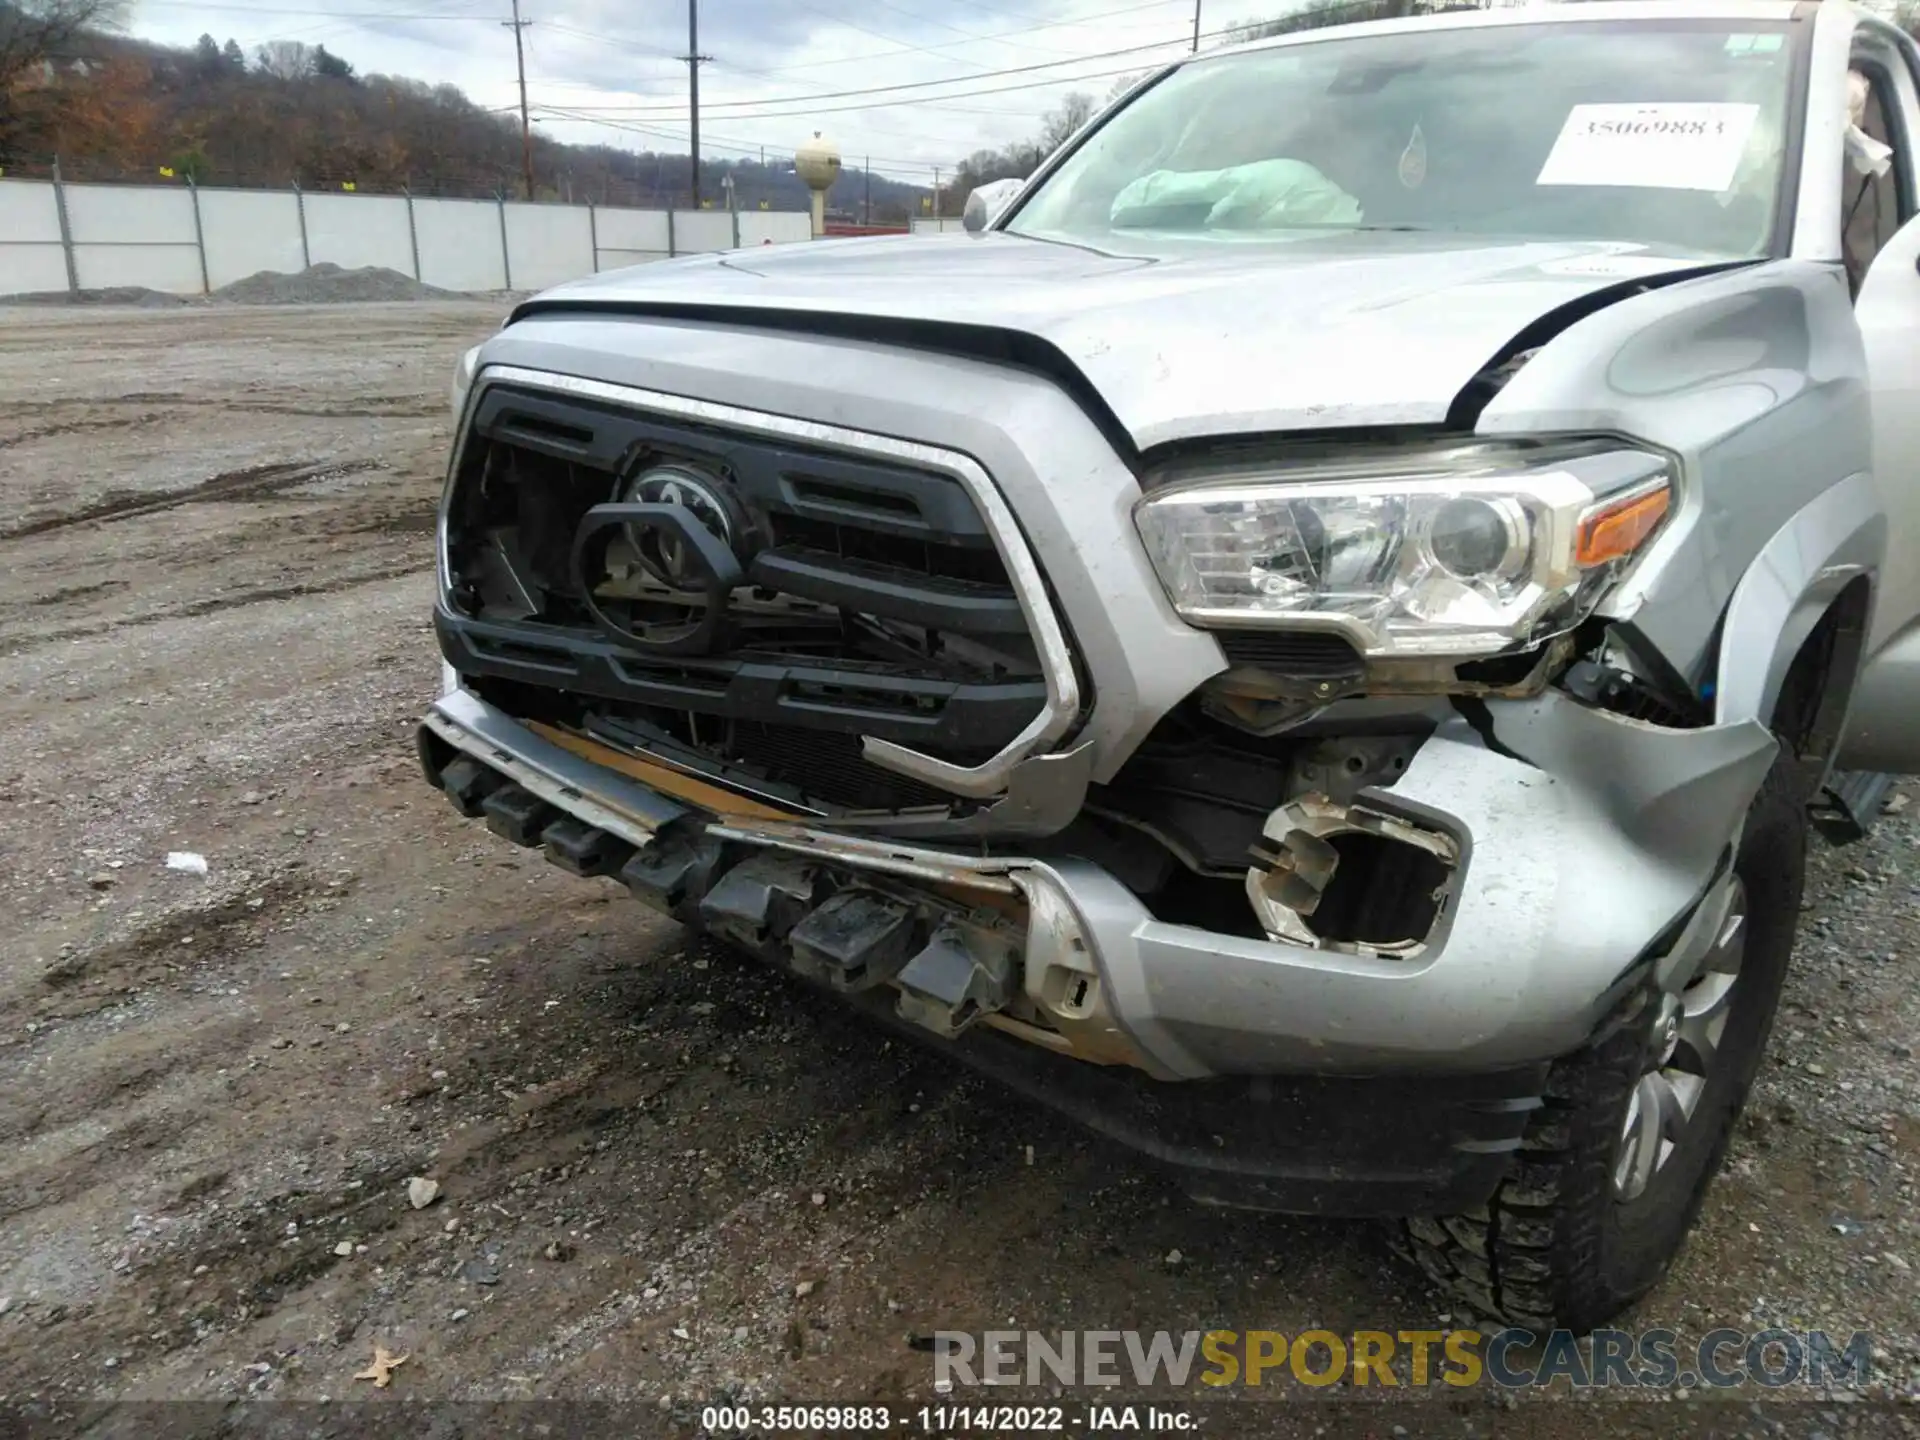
1310,640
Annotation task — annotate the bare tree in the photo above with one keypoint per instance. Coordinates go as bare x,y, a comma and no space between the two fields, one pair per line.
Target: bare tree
1020,159
1063,122
35,34
284,60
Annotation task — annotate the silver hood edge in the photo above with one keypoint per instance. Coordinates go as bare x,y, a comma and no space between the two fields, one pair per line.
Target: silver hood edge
1212,339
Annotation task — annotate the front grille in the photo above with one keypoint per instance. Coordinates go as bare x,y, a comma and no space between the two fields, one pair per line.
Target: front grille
874,601
829,769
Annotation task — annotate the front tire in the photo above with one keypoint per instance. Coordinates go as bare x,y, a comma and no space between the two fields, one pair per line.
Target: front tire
1615,1165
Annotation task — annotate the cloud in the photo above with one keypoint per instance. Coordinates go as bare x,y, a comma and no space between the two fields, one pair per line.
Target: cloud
777,65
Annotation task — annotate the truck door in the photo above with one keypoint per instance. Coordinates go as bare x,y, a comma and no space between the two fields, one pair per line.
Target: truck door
1882,249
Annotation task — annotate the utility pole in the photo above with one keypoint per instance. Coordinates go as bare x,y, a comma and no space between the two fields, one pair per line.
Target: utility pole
519,27
936,193
694,61
1196,27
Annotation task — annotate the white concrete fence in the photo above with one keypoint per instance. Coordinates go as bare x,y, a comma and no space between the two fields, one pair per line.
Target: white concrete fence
191,240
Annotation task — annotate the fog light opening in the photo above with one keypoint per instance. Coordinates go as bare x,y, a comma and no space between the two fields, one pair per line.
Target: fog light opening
1350,880
1383,894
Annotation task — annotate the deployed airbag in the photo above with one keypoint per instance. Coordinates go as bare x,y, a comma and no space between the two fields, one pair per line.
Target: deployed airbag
1264,195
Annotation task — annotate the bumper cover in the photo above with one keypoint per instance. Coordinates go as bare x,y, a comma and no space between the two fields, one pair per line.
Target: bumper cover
1576,860
1302,1145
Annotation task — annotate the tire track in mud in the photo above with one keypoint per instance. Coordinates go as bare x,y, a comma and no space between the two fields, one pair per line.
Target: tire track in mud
256,482
72,592
215,604
106,965
122,1096
80,427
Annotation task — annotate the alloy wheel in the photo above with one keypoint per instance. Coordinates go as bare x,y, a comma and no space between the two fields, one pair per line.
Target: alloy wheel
1686,1045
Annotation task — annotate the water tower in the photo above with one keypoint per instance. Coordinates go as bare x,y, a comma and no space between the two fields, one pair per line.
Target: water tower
818,163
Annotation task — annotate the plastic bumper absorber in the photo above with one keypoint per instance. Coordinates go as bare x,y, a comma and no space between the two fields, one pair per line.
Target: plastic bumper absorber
517,814
468,783
854,941
951,983
758,902
673,874
584,849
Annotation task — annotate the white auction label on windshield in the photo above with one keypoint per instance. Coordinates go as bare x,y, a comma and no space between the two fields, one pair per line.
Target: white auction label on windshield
1661,147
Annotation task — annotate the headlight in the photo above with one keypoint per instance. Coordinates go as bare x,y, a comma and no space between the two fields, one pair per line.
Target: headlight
463,380
1461,554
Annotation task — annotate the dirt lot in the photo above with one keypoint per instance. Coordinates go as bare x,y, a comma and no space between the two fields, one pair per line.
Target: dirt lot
666,1175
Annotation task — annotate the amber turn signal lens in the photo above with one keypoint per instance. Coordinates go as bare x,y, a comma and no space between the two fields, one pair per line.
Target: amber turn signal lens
1620,527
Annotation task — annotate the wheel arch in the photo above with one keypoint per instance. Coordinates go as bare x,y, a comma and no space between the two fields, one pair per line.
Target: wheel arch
1816,693
1793,638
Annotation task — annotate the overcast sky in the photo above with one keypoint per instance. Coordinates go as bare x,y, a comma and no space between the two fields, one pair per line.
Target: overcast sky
776,63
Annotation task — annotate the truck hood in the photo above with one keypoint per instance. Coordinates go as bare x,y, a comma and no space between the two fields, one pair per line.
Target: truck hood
1210,337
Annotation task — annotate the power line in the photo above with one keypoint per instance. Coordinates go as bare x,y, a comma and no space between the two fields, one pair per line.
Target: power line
971,36
841,20
614,40
918,85
902,48
802,114
549,111
317,14
931,103
892,164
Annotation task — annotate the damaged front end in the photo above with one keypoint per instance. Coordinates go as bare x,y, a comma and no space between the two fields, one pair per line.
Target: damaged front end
811,691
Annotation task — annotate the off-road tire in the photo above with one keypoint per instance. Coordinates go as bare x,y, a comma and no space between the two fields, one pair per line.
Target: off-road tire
1554,1247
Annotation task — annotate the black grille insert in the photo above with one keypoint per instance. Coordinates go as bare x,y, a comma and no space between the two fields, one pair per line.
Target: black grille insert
830,768
875,603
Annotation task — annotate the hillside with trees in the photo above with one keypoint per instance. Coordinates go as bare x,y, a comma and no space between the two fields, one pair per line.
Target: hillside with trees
113,108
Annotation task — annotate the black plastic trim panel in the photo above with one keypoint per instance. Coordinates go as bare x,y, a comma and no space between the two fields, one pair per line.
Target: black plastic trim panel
1305,654
940,604
879,701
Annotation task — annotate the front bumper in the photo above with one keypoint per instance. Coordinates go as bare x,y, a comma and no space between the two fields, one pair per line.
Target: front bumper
1317,1082
1576,862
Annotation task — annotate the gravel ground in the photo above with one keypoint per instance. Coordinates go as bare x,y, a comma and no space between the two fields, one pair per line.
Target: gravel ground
664,1175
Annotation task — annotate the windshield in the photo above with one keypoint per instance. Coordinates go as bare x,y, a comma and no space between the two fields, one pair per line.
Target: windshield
1668,133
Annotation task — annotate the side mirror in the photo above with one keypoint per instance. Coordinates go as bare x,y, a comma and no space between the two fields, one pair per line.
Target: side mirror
988,202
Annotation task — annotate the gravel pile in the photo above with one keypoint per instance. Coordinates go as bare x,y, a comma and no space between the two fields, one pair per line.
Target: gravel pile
326,284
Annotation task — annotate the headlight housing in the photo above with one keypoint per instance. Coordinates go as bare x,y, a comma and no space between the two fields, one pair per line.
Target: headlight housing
463,380
1459,553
